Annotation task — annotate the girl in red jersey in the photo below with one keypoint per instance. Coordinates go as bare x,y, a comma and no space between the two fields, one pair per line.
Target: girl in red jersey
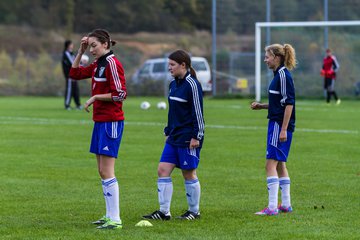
108,93
329,69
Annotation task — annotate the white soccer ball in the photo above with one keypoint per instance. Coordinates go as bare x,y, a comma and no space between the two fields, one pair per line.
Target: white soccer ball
84,59
145,105
161,105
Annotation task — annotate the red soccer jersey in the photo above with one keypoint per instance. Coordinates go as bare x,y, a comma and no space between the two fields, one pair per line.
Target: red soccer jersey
330,66
107,76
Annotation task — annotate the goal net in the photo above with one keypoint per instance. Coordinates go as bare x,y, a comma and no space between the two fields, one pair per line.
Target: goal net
308,40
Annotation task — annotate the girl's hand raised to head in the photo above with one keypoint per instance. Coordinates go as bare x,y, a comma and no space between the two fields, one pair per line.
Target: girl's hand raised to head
83,45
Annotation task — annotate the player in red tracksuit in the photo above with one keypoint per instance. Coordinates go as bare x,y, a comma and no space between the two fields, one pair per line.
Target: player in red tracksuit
329,69
108,94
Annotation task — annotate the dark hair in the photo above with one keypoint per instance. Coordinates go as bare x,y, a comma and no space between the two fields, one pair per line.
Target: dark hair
180,56
67,44
102,36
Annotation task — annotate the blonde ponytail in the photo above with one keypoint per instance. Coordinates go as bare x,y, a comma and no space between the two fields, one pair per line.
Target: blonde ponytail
286,52
290,57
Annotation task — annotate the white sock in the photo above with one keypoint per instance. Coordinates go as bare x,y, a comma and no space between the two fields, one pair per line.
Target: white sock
106,201
193,194
165,190
111,195
285,191
273,190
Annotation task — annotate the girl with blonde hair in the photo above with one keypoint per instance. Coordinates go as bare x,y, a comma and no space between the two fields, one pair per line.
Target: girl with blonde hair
281,115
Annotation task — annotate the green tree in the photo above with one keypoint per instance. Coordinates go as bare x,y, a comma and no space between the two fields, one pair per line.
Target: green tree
41,75
6,65
21,71
70,11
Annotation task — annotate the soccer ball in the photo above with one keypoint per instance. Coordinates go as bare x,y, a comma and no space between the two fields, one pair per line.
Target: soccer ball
84,59
161,105
145,105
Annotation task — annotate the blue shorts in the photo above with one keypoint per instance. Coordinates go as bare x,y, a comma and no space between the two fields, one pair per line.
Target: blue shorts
277,150
106,138
183,157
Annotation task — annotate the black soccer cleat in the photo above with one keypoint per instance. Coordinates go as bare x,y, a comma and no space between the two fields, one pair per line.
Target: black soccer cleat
158,215
101,221
188,215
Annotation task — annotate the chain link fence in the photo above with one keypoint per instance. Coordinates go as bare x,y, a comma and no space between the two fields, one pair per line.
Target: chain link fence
23,73
235,48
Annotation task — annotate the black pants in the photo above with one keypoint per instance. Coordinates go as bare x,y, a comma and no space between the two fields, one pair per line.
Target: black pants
329,85
72,91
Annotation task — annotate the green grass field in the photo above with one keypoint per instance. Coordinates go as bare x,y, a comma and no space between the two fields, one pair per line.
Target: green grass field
50,189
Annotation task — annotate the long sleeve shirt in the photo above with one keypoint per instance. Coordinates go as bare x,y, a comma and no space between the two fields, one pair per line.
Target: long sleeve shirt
281,93
185,117
107,76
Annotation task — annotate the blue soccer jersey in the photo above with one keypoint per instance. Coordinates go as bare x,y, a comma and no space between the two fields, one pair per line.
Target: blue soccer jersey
281,93
185,117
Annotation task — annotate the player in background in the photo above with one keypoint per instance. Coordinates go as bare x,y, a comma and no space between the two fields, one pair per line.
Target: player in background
329,69
184,136
71,86
108,94
281,115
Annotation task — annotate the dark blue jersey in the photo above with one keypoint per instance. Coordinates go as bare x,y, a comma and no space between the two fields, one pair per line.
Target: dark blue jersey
67,60
281,93
185,117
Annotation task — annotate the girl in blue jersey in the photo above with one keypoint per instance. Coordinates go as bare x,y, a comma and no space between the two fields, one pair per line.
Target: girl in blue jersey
184,137
281,115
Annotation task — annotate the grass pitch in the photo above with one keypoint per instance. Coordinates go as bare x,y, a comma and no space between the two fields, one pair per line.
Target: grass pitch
50,189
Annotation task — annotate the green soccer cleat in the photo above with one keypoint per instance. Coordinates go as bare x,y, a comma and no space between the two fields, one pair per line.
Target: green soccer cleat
101,221
111,225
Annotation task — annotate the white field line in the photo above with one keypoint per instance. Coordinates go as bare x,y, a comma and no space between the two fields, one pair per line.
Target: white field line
48,121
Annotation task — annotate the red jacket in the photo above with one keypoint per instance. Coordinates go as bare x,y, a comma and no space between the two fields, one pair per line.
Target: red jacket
330,67
107,76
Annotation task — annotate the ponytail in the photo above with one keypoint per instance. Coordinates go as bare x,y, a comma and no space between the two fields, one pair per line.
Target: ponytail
193,72
112,42
286,52
290,57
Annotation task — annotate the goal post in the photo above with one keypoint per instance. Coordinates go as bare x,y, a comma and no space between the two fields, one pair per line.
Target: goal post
258,49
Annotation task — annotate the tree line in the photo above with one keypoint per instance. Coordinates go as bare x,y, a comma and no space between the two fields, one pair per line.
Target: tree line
129,16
